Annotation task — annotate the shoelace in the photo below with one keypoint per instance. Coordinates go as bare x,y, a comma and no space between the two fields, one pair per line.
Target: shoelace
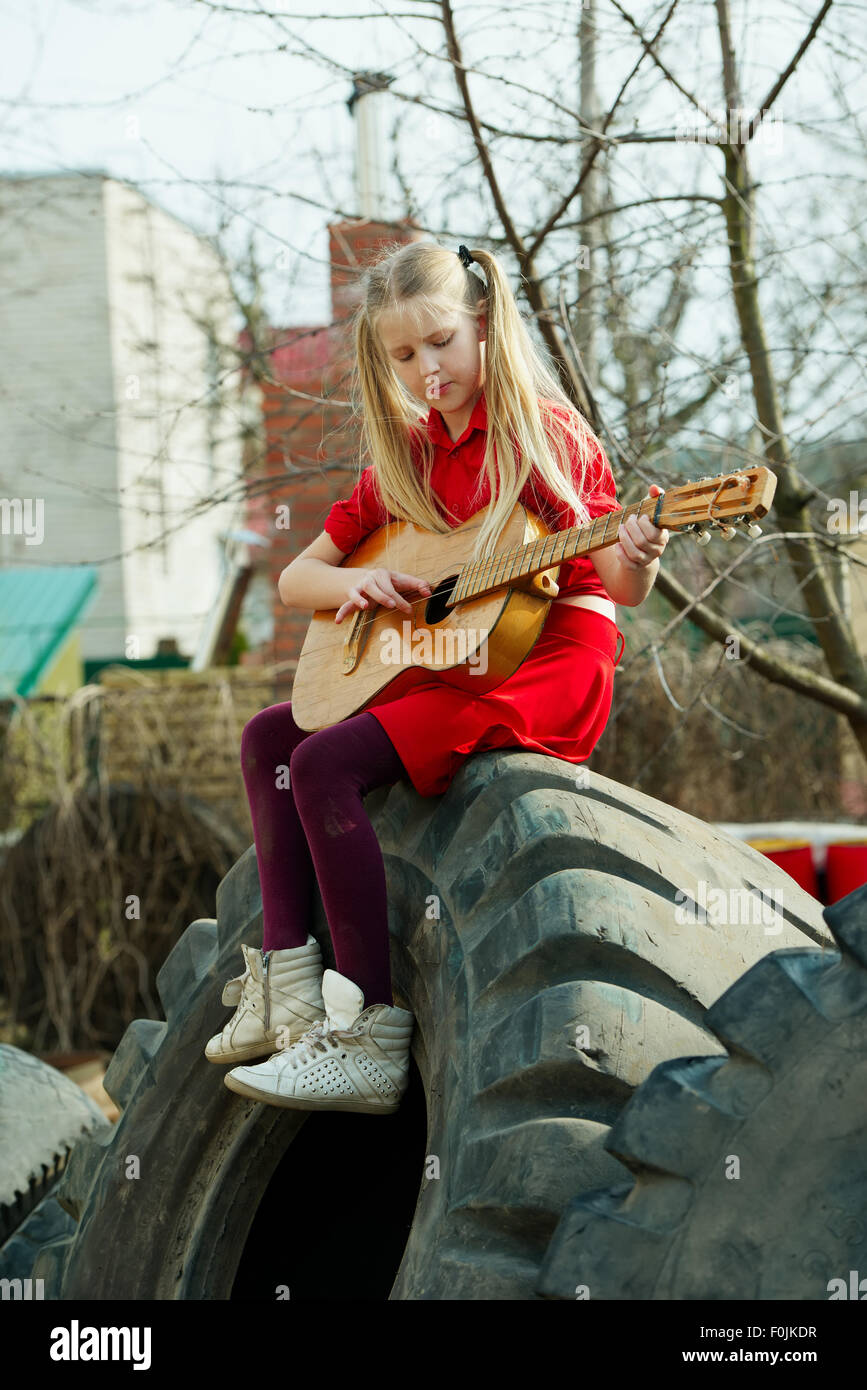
322,1037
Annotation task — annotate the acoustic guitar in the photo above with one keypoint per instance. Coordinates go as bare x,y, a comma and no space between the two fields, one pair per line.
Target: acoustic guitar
483,617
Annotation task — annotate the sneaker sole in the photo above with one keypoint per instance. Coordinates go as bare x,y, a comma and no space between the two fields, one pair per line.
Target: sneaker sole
244,1054
241,1088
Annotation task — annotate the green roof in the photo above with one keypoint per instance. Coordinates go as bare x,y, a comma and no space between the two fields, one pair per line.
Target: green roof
39,607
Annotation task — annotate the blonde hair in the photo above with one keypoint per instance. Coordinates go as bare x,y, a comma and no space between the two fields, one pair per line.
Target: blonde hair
519,386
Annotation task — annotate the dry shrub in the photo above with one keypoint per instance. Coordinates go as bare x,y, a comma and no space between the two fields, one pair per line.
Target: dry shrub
92,899
130,806
738,749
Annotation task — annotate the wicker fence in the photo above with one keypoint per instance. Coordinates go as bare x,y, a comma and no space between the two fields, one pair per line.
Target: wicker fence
175,729
123,805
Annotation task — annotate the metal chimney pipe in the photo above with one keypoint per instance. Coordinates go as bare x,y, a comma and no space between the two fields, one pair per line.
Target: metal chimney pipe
369,90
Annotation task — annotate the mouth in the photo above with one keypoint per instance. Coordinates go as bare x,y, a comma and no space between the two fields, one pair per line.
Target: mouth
434,391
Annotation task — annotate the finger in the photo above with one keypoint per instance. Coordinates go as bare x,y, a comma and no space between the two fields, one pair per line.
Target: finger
647,528
643,533
626,538
411,579
655,544
397,600
630,549
354,600
395,578
377,591
391,598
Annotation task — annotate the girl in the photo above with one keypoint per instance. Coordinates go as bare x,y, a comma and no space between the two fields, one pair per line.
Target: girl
427,328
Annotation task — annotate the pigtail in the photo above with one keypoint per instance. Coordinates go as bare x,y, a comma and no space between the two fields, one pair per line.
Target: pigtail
534,430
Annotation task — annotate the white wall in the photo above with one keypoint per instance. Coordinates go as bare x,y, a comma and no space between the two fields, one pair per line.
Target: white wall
177,454
57,420
104,403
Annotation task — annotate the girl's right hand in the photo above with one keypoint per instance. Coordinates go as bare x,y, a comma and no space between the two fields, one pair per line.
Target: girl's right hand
381,586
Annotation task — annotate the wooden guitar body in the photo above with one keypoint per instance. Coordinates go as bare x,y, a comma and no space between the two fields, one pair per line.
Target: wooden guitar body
483,617
378,651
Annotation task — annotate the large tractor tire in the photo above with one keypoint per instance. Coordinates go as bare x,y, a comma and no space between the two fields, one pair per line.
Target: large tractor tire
535,936
42,1116
749,1174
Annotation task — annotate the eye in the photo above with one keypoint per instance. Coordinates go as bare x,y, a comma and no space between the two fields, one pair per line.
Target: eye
440,345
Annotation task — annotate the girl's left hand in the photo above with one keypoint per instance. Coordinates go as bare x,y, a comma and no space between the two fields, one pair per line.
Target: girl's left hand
639,542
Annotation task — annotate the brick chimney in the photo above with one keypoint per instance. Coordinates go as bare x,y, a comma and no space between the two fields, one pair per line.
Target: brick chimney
315,361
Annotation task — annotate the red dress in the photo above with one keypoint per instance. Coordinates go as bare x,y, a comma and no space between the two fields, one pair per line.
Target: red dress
559,699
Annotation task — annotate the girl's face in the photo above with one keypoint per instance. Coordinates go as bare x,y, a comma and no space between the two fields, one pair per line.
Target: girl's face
437,358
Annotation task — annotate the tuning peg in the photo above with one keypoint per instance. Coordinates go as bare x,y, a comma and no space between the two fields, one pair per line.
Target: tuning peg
754,530
702,537
727,532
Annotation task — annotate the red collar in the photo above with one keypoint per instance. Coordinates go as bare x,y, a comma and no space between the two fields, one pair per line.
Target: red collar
436,425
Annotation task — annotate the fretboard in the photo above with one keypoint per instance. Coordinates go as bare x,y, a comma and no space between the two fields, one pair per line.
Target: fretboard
546,552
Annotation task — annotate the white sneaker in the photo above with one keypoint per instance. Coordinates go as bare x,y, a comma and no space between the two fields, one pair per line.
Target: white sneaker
279,997
351,1060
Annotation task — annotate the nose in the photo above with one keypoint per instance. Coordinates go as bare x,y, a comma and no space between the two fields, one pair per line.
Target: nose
428,362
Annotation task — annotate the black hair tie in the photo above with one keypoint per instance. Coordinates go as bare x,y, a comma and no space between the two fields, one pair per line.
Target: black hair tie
465,256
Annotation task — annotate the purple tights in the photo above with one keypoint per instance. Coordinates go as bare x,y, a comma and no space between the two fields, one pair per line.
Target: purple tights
305,792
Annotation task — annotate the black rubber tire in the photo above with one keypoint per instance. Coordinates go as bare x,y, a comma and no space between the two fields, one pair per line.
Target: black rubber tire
787,1102
44,1114
47,1222
521,903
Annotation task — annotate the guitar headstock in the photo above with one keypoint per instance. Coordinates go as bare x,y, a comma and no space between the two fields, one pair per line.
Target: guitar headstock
725,502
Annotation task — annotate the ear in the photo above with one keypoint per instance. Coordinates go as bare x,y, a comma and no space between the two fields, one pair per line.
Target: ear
482,324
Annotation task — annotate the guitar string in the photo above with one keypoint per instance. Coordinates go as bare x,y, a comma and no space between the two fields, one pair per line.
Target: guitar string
503,556
633,509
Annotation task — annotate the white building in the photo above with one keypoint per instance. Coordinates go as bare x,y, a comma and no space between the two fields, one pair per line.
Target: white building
119,404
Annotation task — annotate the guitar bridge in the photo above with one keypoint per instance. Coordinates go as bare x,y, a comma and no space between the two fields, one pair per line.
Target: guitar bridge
352,644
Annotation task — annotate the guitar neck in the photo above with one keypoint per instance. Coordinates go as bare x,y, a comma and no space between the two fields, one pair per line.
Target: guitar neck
524,561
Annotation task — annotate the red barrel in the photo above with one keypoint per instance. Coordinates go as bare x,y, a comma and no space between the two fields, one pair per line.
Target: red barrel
847,868
794,857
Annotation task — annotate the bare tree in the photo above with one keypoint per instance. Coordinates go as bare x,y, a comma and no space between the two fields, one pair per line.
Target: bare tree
649,393
846,688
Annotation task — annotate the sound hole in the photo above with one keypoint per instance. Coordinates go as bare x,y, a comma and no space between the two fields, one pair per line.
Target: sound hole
435,608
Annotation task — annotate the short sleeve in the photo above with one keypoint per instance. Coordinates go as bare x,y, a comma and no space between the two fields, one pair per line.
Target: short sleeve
353,518
600,492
